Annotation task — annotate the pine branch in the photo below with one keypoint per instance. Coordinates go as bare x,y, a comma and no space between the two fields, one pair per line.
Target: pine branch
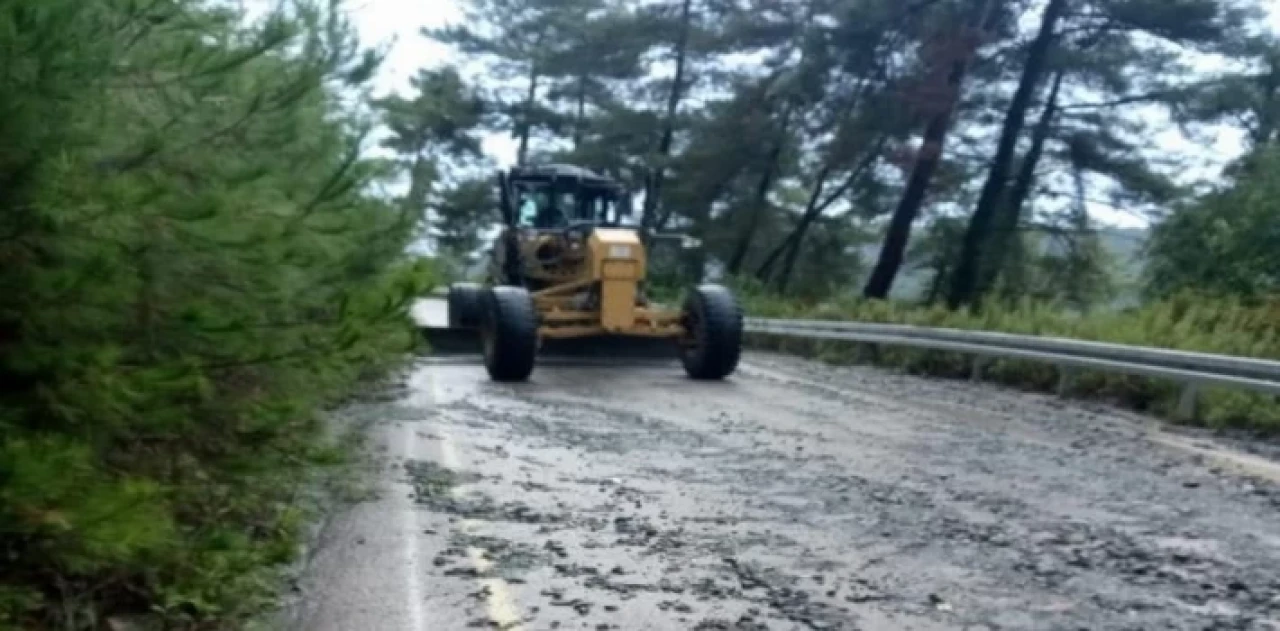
1164,94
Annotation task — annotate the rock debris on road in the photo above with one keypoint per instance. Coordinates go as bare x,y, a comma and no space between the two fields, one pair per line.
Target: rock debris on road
793,496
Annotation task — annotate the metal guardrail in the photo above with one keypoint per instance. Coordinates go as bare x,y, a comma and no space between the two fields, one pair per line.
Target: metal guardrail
1190,369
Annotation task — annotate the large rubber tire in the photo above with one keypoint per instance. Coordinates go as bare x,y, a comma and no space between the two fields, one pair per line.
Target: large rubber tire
465,305
509,332
713,325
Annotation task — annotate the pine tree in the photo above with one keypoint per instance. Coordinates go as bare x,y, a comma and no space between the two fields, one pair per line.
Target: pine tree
1105,50
193,267
520,42
947,58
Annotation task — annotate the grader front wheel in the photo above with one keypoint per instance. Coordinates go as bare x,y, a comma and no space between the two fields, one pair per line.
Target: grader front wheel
509,333
713,333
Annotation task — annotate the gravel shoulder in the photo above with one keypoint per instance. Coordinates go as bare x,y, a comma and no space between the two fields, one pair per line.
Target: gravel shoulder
793,496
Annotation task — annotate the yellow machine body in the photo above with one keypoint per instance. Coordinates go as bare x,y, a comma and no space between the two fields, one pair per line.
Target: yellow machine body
566,279
591,286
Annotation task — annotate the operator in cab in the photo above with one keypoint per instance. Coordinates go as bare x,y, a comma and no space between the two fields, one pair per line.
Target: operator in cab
540,210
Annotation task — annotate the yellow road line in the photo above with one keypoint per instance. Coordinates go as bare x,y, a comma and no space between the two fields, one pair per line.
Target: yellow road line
501,604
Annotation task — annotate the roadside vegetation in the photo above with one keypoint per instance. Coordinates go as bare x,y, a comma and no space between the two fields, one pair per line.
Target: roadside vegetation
194,262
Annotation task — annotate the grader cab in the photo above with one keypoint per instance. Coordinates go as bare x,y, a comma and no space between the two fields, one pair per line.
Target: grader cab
567,279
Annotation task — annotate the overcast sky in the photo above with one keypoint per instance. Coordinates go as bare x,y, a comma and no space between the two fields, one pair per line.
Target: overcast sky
398,22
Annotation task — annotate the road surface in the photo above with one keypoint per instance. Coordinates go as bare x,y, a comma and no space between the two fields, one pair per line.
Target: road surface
792,496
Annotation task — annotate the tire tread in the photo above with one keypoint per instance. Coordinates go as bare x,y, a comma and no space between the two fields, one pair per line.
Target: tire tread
515,323
722,327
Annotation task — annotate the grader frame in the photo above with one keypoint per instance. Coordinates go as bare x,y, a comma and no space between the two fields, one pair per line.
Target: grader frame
567,279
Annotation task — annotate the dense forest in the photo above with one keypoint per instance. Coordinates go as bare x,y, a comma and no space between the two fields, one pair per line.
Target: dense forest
837,146
200,251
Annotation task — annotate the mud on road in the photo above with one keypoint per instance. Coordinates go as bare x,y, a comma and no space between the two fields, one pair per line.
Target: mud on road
794,496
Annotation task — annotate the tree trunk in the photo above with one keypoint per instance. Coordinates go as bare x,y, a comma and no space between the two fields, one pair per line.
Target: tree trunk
765,270
1265,129
705,203
935,134
964,282
1006,228
793,249
415,200
793,254
756,210
696,261
653,188
936,283
526,116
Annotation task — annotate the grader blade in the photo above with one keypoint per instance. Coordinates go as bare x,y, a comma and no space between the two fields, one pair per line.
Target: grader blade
443,340
608,349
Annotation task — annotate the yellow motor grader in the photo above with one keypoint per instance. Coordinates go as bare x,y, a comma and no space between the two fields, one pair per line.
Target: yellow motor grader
566,279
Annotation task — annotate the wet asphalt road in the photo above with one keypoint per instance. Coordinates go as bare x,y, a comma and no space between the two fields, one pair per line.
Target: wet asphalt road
792,496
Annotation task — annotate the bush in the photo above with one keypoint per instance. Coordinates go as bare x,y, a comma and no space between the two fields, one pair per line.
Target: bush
191,268
1187,322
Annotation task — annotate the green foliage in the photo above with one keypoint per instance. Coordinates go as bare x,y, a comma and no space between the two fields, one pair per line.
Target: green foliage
192,267
462,212
432,133
1226,244
1065,265
1186,322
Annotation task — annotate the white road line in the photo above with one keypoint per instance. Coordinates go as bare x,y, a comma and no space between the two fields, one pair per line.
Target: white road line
413,584
502,608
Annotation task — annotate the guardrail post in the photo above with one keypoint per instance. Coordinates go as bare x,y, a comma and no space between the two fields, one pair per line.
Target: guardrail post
1187,403
1066,377
976,366
868,354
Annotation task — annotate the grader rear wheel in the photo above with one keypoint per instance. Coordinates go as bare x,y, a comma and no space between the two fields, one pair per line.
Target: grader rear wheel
465,302
509,333
713,339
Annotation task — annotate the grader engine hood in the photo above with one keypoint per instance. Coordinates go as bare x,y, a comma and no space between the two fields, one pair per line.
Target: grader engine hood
618,260
617,244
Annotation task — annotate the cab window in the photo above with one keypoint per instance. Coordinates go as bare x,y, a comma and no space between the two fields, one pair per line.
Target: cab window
528,211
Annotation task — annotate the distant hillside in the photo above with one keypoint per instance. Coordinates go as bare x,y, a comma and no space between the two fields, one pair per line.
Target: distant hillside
1124,244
